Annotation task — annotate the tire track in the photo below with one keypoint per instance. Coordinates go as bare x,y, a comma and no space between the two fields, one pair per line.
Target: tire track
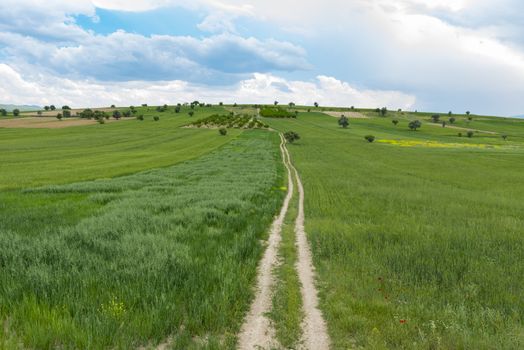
314,329
257,331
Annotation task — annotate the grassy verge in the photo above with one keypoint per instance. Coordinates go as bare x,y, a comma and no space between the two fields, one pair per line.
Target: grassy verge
166,252
415,247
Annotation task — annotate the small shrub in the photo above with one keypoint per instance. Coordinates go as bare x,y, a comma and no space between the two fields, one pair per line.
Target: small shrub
16,112
369,138
291,136
395,122
59,116
435,118
222,131
470,133
504,137
156,118
452,120
191,113
459,134
140,117
101,121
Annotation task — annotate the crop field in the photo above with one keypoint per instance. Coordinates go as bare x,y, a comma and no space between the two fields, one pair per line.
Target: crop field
416,247
163,233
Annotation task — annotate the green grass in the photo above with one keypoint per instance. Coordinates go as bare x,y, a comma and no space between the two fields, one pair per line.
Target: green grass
123,262
32,157
415,247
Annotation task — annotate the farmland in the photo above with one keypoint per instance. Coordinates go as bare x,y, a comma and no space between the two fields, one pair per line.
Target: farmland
137,233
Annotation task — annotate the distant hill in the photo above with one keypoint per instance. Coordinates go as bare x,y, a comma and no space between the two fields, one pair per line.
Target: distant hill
22,108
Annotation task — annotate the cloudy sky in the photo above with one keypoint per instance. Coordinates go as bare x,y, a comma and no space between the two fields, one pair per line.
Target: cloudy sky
436,55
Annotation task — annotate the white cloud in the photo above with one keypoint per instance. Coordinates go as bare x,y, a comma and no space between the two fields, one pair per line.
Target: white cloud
45,89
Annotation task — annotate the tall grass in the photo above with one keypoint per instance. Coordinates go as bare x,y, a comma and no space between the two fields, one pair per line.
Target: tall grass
166,252
415,247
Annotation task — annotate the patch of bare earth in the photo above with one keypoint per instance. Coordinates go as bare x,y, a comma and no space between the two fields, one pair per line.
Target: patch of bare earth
351,115
46,123
314,329
257,331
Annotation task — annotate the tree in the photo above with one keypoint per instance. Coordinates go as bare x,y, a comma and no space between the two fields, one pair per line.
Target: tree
177,109
452,120
113,106
235,104
117,115
191,113
383,111
291,136
46,108
399,110
395,122
504,137
39,113
3,112
414,125
52,107
65,107
470,133
443,124
221,104
222,131
316,104
291,104
140,117
343,121
66,113
275,103
468,112
470,118
450,113
59,116
16,112
435,118
369,138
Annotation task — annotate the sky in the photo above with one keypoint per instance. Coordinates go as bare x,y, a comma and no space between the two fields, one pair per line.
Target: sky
431,55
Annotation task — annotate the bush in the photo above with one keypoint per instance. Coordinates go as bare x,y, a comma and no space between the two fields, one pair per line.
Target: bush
16,112
59,116
414,125
156,118
504,137
459,134
395,122
3,112
222,131
66,113
101,121
470,133
369,138
276,112
140,117
435,118
451,120
117,115
291,136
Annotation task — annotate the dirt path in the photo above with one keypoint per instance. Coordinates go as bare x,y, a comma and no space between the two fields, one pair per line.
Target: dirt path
257,331
314,329
462,128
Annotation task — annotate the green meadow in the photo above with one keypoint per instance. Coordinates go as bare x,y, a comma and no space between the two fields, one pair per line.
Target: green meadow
418,242
135,233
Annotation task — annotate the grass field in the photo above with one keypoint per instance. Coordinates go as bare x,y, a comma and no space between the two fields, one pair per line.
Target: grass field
416,247
132,260
135,233
31,157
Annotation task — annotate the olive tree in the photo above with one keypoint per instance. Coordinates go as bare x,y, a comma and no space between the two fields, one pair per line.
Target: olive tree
414,125
343,121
